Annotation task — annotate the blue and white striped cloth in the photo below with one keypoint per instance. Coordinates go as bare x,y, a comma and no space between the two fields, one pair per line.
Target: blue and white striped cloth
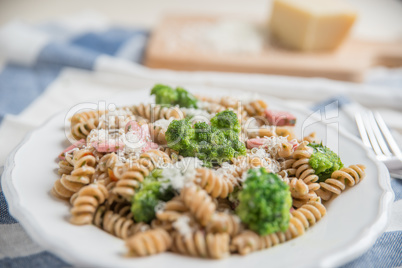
40,63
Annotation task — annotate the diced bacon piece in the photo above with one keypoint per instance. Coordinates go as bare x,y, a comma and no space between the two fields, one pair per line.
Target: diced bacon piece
255,143
294,143
108,146
148,146
280,118
132,126
140,136
71,147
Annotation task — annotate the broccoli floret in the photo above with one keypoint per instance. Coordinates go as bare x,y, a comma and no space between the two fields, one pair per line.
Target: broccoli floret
203,131
169,96
180,134
239,147
164,94
152,192
186,99
265,202
226,120
209,143
324,161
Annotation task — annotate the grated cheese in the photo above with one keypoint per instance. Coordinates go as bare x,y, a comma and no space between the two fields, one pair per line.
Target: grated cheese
134,142
182,172
163,123
160,206
104,135
182,225
198,114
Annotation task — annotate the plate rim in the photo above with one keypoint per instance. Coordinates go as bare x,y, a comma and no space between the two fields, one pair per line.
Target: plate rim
365,240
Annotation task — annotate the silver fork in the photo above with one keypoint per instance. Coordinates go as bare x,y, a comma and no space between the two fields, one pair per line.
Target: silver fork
376,135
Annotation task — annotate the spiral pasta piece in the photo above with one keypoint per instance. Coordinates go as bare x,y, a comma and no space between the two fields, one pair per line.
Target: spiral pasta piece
84,116
252,108
298,188
200,244
311,196
174,155
104,170
198,202
249,161
83,168
173,210
109,121
165,225
158,134
302,151
225,223
66,166
255,108
304,217
156,157
117,224
214,184
129,177
133,173
301,219
86,201
213,108
83,123
272,131
149,242
248,241
303,169
153,112
347,176
285,150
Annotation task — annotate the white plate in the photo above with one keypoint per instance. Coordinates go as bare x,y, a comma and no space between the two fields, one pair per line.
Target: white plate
353,222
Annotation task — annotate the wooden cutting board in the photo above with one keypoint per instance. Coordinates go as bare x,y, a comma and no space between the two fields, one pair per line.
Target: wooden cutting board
171,47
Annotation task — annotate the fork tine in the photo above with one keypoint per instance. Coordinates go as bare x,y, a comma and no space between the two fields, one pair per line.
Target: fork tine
362,129
377,133
371,135
387,134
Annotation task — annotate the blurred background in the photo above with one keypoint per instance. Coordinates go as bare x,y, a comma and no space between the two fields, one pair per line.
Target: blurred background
377,18
233,35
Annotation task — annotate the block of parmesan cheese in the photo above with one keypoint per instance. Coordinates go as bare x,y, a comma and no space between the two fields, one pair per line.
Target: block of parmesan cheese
311,24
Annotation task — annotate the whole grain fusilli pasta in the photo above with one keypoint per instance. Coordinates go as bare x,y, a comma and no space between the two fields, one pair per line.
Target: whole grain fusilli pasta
149,242
198,202
350,176
81,175
116,223
199,244
223,222
155,112
86,201
214,184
